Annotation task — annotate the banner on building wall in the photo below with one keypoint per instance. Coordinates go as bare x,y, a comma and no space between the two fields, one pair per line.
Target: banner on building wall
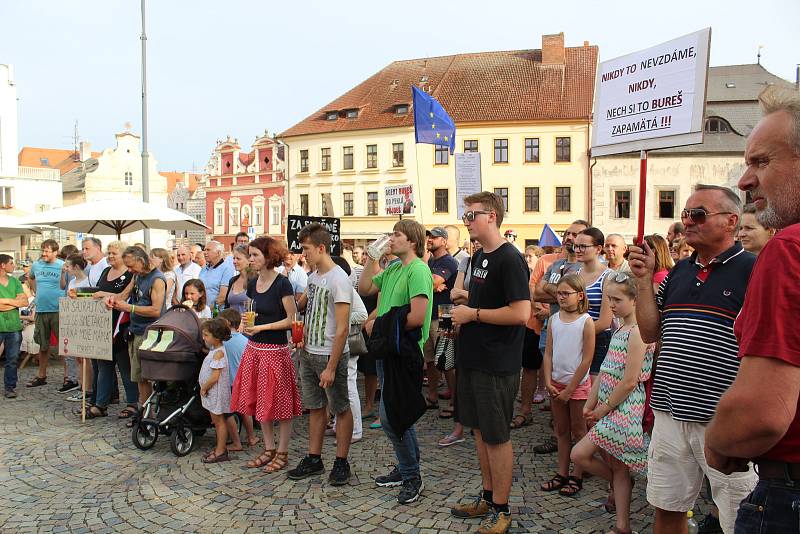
295,223
399,199
84,328
468,178
654,98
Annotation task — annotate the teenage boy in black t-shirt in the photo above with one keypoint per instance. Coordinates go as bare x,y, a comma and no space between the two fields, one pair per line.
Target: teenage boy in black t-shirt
490,355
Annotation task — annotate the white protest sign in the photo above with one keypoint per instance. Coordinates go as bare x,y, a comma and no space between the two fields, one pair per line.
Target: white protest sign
468,178
399,199
84,328
653,98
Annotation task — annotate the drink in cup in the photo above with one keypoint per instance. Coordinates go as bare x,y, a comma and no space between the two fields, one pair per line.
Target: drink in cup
297,331
379,247
445,316
250,319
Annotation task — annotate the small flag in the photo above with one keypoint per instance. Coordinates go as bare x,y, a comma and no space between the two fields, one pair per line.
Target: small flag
432,124
549,238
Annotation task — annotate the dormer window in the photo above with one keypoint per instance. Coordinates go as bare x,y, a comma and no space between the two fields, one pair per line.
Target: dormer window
401,109
44,162
351,113
717,125
331,115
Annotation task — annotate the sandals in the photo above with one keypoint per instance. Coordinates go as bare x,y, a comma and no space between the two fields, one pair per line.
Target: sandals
521,420
446,413
128,412
572,487
429,405
262,459
555,483
93,412
213,458
278,462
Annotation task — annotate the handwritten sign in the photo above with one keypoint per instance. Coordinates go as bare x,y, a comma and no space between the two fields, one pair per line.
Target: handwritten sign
399,199
295,223
653,98
468,177
84,328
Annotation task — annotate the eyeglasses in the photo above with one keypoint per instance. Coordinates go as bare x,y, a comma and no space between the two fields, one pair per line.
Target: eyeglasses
582,247
620,277
698,215
565,294
469,216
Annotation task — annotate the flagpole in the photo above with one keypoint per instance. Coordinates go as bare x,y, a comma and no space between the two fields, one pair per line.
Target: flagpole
418,185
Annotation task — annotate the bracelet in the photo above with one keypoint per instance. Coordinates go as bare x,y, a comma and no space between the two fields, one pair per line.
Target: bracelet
478,315
133,309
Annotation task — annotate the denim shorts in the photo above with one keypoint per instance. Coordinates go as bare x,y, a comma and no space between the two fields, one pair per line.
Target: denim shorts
314,397
772,508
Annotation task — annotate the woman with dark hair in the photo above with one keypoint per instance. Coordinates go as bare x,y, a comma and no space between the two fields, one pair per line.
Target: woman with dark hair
588,246
236,297
265,384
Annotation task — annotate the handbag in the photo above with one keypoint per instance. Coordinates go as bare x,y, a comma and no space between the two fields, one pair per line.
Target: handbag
445,351
355,341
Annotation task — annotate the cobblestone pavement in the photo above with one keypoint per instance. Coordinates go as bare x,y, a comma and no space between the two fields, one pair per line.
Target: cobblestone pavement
57,475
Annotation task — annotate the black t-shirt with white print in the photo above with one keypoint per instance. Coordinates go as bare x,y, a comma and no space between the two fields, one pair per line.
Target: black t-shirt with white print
498,278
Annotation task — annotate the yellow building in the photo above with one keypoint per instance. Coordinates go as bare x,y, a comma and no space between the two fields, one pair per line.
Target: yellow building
527,113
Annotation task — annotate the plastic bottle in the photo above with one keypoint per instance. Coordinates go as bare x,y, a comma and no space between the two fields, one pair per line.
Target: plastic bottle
692,524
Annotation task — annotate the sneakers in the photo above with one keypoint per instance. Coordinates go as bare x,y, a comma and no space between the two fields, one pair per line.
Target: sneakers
548,447
411,490
390,480
77,396
340,474
709,525
477,508
308,467
451,439
68,386
11,394
36,382
495,523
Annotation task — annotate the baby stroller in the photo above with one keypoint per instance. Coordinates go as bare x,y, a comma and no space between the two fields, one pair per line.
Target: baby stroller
171,355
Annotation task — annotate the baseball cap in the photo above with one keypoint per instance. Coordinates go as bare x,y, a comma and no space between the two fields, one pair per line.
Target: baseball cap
510,232
437,231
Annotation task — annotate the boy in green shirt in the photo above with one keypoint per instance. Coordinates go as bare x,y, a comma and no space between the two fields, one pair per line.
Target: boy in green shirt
12,298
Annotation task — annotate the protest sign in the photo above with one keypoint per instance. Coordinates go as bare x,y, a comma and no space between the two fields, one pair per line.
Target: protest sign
84,328
295,223
653,98
399,199
468,178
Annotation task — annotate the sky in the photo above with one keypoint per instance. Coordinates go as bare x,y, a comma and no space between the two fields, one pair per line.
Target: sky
238,68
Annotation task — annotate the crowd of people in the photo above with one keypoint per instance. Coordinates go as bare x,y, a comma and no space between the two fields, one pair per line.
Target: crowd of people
673,359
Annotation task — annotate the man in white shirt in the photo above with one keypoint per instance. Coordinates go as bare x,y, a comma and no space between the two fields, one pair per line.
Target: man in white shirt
296,275
185,270
92,249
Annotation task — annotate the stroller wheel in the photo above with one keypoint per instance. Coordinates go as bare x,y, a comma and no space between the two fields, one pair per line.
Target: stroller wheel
181,441
144,435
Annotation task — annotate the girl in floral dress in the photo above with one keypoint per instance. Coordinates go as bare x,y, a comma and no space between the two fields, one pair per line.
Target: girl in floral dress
616,405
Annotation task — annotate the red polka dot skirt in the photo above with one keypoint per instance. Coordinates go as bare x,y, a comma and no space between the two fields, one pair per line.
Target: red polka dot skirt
265,383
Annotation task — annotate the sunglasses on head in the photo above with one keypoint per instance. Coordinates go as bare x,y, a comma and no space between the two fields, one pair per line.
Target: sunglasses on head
699,215
469,216
620,277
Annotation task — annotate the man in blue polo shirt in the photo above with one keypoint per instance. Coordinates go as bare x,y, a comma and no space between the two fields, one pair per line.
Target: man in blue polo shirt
693,315
216,274
45,281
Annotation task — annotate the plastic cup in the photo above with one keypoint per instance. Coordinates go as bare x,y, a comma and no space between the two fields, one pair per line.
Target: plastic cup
250,319
297,331
379,247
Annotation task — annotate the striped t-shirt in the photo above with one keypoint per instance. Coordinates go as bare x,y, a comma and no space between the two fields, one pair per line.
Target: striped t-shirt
698,359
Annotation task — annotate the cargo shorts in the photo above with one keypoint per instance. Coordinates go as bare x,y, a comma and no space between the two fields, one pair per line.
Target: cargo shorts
315,397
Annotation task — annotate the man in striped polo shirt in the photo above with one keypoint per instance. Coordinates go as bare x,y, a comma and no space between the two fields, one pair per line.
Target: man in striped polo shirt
693,315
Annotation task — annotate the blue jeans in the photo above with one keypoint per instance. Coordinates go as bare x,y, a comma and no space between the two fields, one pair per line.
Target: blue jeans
105,377
406,449
11,344
773,507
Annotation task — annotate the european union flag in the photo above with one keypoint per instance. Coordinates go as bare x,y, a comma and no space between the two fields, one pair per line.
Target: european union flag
432,124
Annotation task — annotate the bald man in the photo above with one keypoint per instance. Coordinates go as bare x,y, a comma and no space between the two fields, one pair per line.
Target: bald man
186,269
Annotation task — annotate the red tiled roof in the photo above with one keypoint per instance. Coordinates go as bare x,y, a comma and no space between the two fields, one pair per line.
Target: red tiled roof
174,177
57,158
486,86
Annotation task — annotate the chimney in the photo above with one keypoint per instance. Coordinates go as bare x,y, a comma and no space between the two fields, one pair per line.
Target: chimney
553,49
85,150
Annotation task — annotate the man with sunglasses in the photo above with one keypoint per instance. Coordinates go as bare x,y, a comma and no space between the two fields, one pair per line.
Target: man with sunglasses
758,417
490,356
693,315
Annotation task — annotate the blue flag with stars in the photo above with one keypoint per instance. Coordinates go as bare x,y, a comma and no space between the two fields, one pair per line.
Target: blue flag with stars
432,124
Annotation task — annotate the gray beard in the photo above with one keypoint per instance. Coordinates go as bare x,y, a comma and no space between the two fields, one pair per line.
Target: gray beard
787,213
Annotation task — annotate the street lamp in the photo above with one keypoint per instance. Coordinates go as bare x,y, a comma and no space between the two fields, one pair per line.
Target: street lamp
145,155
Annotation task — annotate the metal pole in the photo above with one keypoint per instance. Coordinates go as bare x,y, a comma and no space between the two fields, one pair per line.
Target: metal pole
642,195
145,155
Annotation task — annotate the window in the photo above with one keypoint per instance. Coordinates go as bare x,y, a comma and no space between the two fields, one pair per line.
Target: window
666,204
501,150
717,125
531,199
372,156
6,197
563,149
470,145
128,178
235,216
275,215
398,154
401,109
440,155
331,115
563,199
347,158
324,205
325,163
45,162
351,113
348,203
304,205
502,192
622,204
372,203
442,200
258,215
304,161
532,150
218,217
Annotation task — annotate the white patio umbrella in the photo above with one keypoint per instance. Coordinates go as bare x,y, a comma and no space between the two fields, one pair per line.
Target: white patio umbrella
114,217
10,226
